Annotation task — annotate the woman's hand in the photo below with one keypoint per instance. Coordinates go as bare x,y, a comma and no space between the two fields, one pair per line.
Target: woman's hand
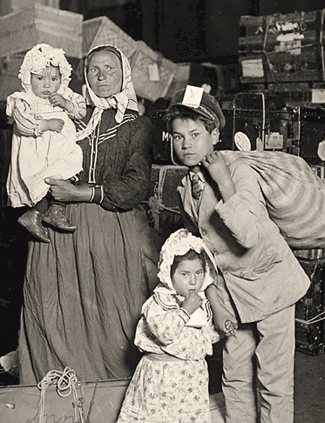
65,191
219,171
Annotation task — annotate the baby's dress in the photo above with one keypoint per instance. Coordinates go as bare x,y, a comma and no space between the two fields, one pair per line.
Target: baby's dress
36,156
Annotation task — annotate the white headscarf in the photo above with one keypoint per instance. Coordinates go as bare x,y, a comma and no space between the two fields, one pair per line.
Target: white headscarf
125,99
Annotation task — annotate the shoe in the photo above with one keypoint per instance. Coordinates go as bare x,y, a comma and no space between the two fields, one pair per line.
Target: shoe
55,216
32,221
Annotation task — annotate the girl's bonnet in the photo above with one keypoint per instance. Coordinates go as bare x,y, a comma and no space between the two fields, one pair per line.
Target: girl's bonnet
178,244
40,57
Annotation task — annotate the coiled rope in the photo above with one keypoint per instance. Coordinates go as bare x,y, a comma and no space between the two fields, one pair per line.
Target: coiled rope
65,383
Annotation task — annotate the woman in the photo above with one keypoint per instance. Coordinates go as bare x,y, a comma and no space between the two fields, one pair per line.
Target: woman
83,292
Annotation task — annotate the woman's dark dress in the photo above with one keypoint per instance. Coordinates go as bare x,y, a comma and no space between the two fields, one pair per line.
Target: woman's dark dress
83,292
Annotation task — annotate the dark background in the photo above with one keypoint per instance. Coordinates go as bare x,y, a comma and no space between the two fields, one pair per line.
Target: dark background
187,30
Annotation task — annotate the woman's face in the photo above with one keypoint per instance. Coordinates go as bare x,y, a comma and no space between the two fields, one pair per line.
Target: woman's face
105,74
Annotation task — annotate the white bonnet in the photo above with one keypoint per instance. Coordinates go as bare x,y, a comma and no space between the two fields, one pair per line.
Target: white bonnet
178,244
41,56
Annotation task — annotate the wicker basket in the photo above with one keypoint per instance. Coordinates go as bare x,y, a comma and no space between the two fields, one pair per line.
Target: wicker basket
102,30
36,23
146,86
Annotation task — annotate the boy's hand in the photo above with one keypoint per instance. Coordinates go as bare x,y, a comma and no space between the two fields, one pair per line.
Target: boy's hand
56,125
217,167
192,302
57,100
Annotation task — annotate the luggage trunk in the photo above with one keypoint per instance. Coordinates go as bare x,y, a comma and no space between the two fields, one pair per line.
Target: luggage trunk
264,119
310,309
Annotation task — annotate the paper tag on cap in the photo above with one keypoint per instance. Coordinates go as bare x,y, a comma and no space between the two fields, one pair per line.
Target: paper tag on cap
193,96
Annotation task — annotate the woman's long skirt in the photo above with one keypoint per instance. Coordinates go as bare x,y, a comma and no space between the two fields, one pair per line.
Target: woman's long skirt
83,294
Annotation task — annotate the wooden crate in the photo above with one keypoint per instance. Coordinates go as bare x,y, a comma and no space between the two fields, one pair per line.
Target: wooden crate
102,30
21,404
282,48
36,23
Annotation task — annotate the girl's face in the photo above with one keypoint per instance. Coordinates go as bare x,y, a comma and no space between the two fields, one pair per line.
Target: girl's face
188,277
192,141
105,74
46,82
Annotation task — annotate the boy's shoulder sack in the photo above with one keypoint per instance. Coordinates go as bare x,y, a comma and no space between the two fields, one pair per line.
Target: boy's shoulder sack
294,194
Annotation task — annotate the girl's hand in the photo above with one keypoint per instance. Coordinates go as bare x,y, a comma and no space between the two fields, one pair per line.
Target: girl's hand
217,167
192,302
63,190
57,100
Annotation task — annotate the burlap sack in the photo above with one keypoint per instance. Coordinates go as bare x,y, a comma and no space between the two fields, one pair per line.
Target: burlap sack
294,194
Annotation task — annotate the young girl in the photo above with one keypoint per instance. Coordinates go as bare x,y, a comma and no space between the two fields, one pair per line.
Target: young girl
44,137
175,333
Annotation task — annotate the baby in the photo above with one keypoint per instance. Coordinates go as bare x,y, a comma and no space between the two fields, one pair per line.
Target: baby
44,138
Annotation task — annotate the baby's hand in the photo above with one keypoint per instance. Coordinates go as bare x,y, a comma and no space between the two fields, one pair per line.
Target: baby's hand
57,100
192,302
56,125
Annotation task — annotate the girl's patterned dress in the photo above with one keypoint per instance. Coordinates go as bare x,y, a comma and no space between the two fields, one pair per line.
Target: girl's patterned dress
170,384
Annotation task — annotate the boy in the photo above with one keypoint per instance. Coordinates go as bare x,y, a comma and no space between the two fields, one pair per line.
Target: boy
262,276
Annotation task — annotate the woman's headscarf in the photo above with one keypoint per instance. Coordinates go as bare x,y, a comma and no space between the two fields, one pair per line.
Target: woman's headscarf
178,244
125,99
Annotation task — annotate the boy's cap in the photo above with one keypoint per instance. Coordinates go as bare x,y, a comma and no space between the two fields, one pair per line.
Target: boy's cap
196,99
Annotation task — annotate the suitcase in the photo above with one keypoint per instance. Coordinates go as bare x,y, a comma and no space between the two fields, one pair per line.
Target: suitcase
310,310
162,201
263,118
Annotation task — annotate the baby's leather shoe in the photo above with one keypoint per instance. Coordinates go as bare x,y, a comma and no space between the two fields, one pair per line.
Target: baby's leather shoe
32,221
55,216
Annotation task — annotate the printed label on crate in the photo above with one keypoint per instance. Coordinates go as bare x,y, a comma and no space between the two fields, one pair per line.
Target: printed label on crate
273,140
153,72
318,95
242,141
290,43
253,68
